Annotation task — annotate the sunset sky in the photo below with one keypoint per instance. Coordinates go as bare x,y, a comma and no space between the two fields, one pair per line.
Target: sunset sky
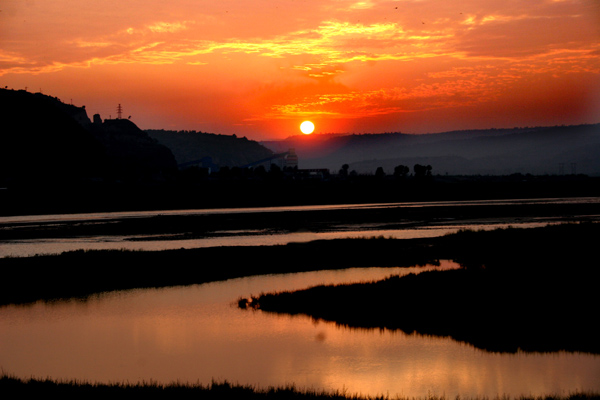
258,68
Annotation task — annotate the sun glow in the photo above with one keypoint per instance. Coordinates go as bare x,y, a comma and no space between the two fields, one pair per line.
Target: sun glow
421,67
307,127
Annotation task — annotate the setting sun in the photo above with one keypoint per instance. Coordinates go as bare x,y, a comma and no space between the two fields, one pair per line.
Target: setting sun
358,66
307,127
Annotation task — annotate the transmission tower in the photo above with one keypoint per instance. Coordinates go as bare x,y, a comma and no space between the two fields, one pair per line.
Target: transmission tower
119,111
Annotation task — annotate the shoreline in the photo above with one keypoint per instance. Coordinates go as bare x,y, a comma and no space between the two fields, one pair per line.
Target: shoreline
58,276
205,223
388,250
92,197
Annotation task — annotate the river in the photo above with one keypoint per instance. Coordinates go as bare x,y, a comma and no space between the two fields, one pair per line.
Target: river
404,229
197,334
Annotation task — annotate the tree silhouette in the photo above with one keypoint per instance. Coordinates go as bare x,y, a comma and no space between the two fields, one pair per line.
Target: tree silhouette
275,172
422,171
260,171
400,171
344,171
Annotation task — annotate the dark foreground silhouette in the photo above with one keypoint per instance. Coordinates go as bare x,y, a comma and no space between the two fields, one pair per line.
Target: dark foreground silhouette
77,390
519,290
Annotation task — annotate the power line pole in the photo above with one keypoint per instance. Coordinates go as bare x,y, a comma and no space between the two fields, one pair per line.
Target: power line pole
119,111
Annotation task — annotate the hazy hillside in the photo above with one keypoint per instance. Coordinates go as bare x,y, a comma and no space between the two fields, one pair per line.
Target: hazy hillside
44,140
542,150
224,150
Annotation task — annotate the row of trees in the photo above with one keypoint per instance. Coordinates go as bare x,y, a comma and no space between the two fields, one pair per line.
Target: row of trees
400,171
276,172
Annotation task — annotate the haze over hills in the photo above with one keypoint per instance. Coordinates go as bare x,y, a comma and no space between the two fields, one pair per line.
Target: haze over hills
44,139
54,159
536,150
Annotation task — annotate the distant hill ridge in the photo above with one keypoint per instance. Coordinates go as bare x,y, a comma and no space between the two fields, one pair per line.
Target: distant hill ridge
534,150
223,150
46,141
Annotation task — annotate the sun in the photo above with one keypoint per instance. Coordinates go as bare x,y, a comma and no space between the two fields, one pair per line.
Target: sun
307,127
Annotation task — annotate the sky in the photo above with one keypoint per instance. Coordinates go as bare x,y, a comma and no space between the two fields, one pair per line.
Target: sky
258,68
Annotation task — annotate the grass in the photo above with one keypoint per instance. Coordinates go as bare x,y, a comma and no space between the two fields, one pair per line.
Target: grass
541,280
545,267
82,273
149,390
520,290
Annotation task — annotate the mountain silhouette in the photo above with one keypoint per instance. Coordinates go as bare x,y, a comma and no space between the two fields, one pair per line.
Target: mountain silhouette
131,153
47,142
43,140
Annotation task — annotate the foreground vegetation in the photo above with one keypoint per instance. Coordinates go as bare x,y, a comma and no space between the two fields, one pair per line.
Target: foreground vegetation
519,290
79,274
77,390
568,248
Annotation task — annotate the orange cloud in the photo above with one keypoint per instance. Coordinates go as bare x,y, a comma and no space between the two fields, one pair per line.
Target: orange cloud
340,59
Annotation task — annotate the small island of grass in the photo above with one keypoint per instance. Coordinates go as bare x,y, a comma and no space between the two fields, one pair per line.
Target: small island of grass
519,290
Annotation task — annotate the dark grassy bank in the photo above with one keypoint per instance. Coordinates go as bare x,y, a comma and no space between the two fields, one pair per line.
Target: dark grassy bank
83,197
46,388
520,289
78,390
82,273
201,225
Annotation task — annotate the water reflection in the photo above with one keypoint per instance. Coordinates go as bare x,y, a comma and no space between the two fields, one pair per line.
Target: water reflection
27,248
197,334
234,237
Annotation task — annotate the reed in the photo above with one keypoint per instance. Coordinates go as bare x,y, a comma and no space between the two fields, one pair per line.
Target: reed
519,290
81,273
16,387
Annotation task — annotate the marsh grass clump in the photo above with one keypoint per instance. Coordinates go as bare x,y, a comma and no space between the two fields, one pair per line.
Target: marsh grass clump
82,273
518,290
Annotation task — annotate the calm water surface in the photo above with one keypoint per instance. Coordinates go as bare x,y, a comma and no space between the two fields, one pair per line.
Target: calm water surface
24,248
197,334
27,248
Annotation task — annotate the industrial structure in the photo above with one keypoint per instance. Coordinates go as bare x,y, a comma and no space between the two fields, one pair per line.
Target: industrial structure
286,161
